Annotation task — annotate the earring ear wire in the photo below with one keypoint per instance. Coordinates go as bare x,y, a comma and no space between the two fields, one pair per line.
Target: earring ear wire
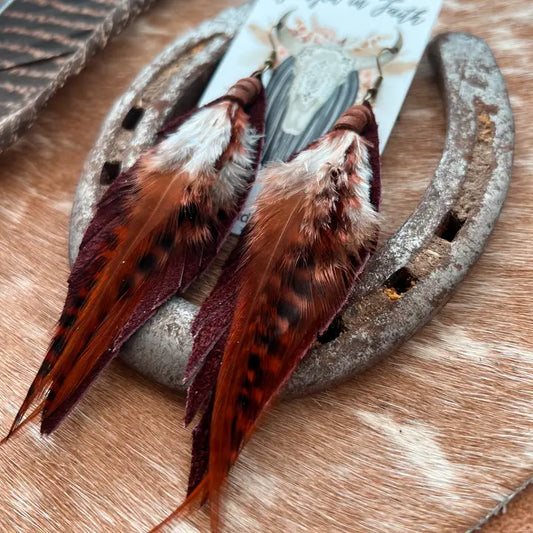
272,58
372,92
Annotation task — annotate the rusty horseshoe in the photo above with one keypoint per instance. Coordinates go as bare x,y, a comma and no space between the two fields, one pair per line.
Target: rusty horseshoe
409,278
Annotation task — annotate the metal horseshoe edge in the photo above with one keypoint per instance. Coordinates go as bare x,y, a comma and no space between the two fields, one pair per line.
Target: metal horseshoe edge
409,278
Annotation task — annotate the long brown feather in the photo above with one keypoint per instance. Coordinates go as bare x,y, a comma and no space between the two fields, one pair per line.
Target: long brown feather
156,229
312,231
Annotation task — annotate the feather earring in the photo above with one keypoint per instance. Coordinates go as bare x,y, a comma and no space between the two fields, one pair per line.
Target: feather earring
314,227
155,230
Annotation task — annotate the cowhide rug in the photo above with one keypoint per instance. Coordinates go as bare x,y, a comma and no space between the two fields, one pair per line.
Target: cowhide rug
430,440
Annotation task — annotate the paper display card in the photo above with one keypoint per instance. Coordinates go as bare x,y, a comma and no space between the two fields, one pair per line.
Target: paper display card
326,61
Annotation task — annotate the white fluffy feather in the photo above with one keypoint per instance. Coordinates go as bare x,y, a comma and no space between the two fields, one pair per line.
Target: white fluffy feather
309,173
235,173
198,144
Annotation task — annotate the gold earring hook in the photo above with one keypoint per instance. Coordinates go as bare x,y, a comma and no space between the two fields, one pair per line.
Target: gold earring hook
373,91
270,61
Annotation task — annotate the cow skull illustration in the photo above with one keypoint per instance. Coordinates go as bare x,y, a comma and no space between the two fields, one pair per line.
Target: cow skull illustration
318,70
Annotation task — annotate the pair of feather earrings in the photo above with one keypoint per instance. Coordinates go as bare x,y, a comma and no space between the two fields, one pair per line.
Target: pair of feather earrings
161,224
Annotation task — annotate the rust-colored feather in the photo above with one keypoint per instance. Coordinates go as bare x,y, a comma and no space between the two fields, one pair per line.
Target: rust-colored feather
159,226
313,228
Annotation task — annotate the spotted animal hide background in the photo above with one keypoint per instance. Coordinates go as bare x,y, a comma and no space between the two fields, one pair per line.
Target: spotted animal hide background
429,440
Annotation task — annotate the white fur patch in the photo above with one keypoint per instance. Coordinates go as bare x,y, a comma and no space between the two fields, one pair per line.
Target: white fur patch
235,173
366,216
420,446
199,141
198,144
309,173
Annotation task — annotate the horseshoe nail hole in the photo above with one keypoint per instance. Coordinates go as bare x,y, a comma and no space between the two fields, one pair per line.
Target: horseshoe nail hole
450,227
132,118
335,329
110,171
399,283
